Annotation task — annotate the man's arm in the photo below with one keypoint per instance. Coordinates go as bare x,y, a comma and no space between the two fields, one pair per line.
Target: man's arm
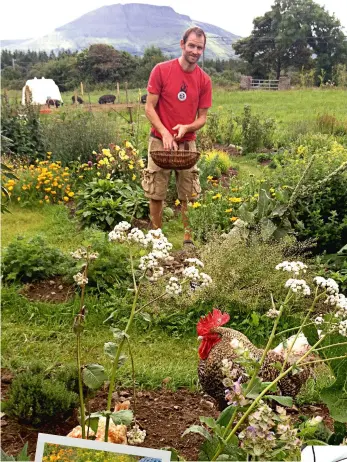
198,123
152,116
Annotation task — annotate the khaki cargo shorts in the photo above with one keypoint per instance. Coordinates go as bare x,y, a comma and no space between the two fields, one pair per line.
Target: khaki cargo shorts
156,180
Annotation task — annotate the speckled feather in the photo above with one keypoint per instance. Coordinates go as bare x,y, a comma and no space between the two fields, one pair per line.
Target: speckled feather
211,377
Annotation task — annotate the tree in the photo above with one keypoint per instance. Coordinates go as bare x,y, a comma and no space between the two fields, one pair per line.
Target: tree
151,57
103,63
293,34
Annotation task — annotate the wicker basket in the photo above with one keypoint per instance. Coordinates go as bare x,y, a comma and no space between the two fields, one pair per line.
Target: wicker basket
175,160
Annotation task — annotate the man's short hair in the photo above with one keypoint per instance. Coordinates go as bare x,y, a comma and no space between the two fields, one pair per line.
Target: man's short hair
194,30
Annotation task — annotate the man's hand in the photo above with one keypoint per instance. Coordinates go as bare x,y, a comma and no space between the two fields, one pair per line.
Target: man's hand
182,130
169,142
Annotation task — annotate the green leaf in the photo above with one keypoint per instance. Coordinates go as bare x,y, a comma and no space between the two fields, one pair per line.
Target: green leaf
200,430
267,228
255,319
119,335
208,421
283,400
93,421
23,455
94,376
146,317
124,417
335,397
110,349
264,201
225,416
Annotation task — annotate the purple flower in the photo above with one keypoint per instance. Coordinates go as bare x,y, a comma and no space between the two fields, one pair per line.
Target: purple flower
90,163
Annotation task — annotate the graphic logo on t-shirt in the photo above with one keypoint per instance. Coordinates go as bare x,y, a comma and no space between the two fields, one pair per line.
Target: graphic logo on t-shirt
182,94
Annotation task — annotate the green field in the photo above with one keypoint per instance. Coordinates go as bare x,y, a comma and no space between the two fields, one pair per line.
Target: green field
285,106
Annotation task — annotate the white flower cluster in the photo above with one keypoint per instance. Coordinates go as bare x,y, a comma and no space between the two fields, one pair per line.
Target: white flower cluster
298,285
272,313
319,321
174,287
136,436
191,273
343,328
79,254
341,304
292,266
80,279
118,233
148,262
137,236
194,261
122,226
205,280
117,236
157,273
329,285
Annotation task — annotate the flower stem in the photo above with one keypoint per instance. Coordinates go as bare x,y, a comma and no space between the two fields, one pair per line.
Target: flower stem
324,360
80,386
120,349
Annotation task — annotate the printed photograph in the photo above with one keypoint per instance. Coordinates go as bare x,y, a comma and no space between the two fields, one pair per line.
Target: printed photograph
53,448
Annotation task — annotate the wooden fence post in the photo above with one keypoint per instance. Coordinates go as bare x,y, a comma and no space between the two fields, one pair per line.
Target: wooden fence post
118,94
81,88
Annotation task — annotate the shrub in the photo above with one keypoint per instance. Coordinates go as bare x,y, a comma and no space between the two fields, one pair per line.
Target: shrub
32,259
221,160
104,203
21,124
320,206
73,135
35,399
256,133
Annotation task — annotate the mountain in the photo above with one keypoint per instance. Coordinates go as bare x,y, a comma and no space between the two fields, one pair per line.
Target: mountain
132,28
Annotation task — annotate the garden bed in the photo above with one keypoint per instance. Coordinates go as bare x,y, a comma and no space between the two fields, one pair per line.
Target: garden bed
164,414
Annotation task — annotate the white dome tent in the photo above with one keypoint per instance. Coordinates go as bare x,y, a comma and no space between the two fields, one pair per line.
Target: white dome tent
41,90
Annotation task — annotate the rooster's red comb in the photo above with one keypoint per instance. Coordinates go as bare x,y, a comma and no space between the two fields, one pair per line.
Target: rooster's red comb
211,321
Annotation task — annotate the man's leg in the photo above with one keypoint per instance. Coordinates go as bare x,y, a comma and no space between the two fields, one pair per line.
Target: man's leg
156,213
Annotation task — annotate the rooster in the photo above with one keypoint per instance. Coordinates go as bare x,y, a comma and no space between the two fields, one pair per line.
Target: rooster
217,344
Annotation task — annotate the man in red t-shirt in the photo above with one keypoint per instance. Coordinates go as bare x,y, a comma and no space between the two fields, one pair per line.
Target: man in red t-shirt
179,95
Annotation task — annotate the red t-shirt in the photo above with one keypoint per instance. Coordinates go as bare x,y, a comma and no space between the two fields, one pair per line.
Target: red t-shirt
181,94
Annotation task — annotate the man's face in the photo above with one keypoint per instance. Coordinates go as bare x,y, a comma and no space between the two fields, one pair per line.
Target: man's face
193,48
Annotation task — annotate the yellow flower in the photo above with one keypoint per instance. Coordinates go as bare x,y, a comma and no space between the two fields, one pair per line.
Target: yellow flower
234,189
272,190
40,202
177,202
117,148
80,177
228,210
106,152
210,177
133,177
217,196
46,197
49,153
66,198
235,199
24,187
98,173
47,200
128,145
47,189
131,166
54,193
141,163
234,218
108,176
71,194
196,205
18,199
10,188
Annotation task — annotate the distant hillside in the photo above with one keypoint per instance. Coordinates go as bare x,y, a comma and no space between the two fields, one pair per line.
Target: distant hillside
132,27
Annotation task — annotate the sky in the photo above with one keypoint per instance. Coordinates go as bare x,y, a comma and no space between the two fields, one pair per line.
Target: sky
35,18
